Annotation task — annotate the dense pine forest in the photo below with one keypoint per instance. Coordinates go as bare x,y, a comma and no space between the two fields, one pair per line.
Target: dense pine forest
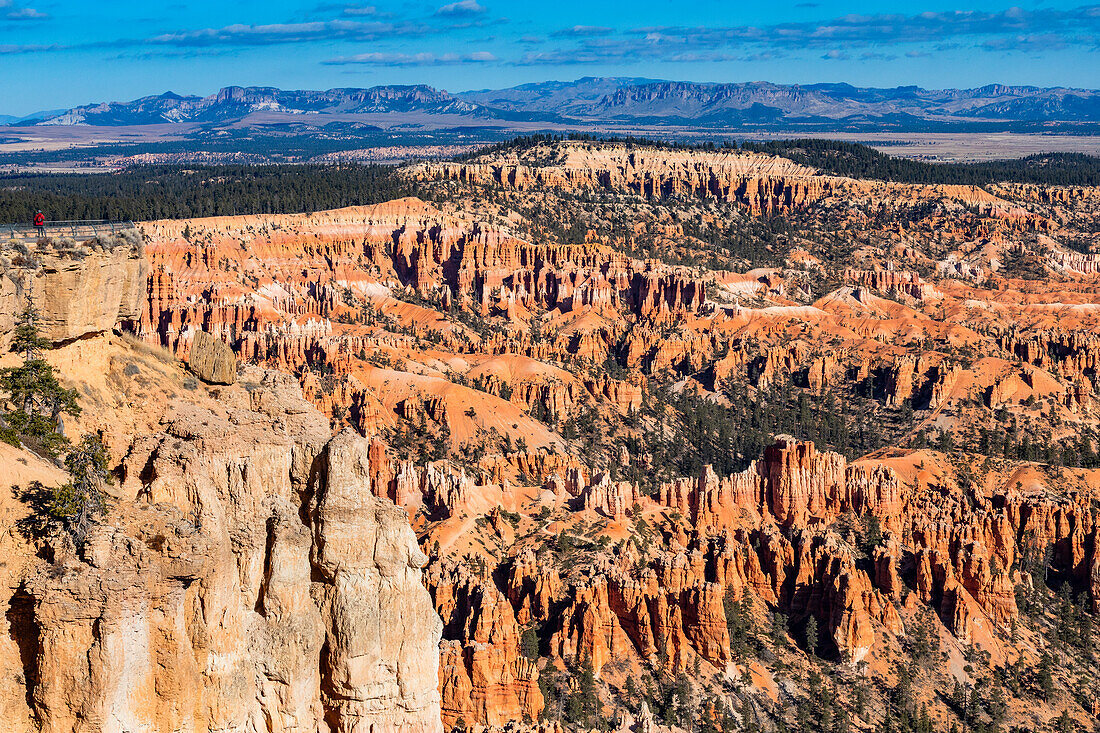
178,192
860,161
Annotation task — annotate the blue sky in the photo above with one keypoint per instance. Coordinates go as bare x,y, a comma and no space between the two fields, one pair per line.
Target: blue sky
60,53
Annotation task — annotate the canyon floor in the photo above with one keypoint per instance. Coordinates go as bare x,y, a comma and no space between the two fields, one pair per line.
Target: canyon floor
584,435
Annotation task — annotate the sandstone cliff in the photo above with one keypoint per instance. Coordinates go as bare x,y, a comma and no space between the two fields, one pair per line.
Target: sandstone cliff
245,578
77,288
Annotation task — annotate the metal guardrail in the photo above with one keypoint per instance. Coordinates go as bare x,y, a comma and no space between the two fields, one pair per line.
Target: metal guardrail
65,227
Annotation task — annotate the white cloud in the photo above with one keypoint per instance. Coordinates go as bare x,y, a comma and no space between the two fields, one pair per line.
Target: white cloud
461,8
413,59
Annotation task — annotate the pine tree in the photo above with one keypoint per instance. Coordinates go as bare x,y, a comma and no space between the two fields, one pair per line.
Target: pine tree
779,629
811,635
38,400
529,643
27,340
738,621
1045,675
872,532
78,503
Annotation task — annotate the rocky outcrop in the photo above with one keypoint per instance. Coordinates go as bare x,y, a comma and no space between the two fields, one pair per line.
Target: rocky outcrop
964,567
947,376
211,359
793,484
611,498
484,676
78,289
381,631
1094,574
893,282
248,579
1069,353
349,297
901,380
111,648
799,481
1086,264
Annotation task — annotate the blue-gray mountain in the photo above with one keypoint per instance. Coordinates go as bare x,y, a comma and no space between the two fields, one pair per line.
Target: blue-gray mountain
616,100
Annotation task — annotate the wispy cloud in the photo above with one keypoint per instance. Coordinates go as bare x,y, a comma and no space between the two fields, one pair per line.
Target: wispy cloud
276,33
1076,23
360,10
870,37
463,8
876,56
414,59
10,49
1029,42
346,9
879,37
10,11
143,54
624,54
583,31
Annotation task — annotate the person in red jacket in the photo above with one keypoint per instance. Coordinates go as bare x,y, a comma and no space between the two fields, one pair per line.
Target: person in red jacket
39,222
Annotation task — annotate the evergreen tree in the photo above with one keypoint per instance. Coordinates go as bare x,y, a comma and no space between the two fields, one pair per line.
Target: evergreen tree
529,643
27,340
738,621
583,704
1064,723
78,503
38,400
872,532
1045,675
778,631
811,635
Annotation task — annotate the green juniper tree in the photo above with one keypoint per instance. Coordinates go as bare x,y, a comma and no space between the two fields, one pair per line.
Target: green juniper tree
37,400
77,504
738,621
811,635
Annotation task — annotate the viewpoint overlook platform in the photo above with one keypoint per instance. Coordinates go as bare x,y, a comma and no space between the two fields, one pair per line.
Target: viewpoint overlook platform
75,228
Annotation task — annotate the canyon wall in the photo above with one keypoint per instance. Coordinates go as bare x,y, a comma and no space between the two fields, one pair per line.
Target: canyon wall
245,578
77,289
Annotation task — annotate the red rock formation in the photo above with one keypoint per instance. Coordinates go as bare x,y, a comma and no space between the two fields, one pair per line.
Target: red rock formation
900,383
904,282
946,377
483,676
1063,352
762,184
611,498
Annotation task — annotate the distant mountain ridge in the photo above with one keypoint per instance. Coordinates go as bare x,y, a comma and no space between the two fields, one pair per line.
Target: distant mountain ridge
592,100
236,103
723,103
